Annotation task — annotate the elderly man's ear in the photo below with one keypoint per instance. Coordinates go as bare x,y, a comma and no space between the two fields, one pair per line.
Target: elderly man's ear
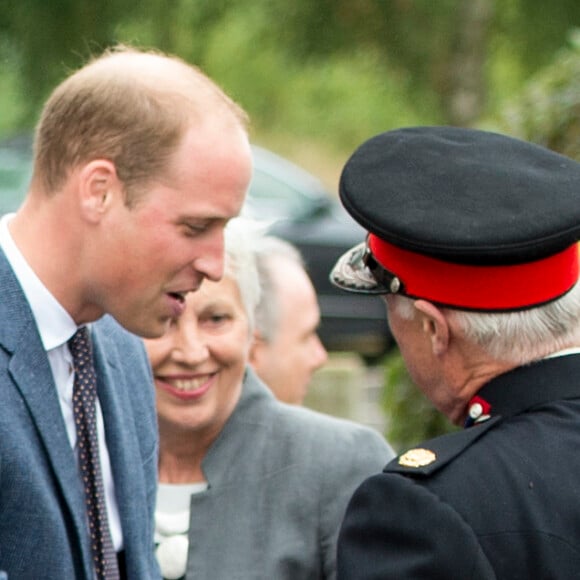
434,325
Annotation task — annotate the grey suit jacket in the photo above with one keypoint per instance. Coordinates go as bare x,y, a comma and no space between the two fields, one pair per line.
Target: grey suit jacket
279,478
43,531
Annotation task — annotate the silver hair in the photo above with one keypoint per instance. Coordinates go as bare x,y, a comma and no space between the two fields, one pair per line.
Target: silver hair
520,336
242,236
268,250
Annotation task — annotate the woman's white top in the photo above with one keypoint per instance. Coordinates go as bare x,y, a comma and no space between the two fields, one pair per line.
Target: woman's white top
172,525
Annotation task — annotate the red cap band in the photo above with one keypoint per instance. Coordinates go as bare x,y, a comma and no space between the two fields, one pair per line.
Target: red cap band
508,287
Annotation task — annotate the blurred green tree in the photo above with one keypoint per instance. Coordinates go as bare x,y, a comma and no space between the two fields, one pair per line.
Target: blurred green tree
547,110
45,40
426,62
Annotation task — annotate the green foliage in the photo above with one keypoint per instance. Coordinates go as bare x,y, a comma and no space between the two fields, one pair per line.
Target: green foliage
411,418
527,35
350,97
411,40
534,31
340,99
48,39
295,68
547,111
10,102
332,70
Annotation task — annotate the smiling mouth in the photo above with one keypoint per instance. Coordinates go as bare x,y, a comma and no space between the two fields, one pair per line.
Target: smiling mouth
187,385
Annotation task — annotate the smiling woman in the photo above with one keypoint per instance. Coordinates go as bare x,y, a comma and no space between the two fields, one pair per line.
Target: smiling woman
237,457
198,367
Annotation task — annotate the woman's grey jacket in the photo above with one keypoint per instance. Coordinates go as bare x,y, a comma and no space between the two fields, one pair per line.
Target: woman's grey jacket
279,478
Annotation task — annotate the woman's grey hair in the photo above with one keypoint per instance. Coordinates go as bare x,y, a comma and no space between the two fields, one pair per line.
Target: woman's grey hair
242,237
517,337
269,249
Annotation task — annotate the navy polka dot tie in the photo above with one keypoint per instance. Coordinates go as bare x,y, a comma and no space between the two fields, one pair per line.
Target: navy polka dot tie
84,409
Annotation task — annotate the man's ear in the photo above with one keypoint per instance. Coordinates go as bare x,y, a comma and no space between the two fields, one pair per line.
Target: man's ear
435,325
256,347
98,183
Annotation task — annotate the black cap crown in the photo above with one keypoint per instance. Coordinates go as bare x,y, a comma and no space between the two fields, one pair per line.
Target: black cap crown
462,217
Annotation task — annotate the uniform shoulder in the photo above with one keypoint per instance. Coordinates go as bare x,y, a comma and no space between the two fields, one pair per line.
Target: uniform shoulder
433,455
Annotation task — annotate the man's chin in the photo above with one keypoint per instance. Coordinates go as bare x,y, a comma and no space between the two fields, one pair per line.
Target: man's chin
147,329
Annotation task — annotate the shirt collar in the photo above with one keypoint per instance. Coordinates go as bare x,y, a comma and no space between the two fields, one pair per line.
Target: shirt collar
544,381
54,323
564,352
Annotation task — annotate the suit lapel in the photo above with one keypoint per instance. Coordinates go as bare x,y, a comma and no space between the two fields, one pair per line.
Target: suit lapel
121,435
32,377
31,372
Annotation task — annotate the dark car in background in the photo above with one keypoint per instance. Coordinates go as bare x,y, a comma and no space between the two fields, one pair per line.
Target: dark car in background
301,211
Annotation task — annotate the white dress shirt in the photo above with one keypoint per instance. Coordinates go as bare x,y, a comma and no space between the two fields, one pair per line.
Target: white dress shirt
56,327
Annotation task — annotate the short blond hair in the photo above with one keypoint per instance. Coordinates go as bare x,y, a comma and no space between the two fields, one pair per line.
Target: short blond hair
129,106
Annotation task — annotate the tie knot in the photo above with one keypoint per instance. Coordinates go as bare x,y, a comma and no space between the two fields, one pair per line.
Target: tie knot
80,346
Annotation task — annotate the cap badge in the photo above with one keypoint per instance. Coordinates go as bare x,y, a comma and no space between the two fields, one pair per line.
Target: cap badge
351,271
417,458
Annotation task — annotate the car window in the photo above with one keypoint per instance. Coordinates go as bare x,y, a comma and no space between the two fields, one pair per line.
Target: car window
271,198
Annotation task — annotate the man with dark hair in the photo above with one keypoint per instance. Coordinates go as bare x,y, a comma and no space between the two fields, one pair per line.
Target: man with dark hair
473,244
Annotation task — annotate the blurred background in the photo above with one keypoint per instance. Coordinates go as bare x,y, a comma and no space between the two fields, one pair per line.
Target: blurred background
318,78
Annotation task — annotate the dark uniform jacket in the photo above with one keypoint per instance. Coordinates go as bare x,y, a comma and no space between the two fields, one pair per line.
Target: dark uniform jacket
500,499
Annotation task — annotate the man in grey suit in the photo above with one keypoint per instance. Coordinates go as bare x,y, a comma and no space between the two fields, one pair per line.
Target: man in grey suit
140,161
